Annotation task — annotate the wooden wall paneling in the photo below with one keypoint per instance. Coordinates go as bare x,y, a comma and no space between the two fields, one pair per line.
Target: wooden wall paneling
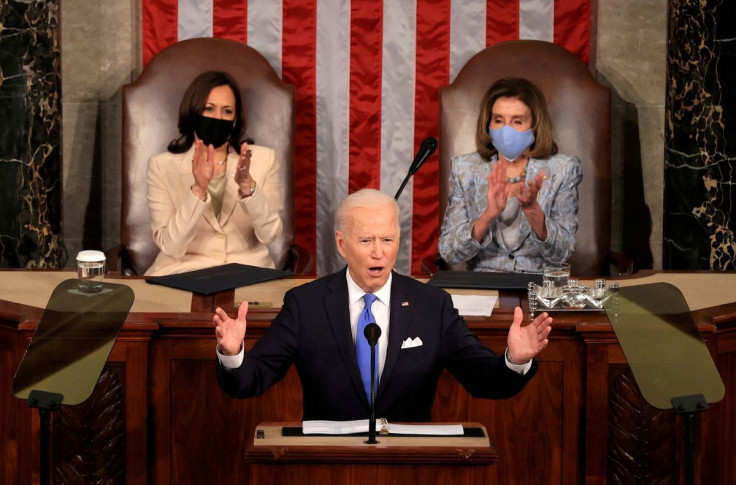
644,443
89,439
717,426
201,433
529,435
132,351
596,406
548,413
327,473
571,355
15,434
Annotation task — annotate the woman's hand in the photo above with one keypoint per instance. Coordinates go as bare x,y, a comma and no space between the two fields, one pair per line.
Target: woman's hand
528,201
245,182
528,194
497,195
203,167
498,191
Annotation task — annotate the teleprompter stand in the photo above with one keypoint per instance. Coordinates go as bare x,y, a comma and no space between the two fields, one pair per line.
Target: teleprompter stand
687,406
45,402
67,353
669,360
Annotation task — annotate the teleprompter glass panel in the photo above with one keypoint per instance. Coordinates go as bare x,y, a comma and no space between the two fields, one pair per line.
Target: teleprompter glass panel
662,344
73,341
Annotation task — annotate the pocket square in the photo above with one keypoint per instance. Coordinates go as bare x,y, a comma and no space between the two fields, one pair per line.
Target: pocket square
410,343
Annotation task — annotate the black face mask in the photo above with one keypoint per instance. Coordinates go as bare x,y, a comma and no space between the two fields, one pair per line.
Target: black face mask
213,131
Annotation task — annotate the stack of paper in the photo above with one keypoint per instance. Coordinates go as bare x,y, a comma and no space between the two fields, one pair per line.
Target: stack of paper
335,427
474,305
361,426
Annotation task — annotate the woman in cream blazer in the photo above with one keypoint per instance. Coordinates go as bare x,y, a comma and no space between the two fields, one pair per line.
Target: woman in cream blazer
212,199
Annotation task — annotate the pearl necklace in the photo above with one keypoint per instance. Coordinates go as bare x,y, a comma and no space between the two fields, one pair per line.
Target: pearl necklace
518,178
222,161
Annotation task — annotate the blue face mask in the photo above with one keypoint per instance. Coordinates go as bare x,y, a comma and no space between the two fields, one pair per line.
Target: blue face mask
509,142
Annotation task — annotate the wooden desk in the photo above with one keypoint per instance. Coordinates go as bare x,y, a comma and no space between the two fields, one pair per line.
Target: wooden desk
274,458
158,415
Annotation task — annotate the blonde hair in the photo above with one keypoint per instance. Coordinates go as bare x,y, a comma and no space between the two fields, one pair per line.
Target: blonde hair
366,198
525,91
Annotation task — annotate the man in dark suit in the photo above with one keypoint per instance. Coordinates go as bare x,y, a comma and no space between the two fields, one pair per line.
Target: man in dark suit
422,333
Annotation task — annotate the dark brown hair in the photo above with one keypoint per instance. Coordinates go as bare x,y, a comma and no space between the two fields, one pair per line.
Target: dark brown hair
193,103
525,91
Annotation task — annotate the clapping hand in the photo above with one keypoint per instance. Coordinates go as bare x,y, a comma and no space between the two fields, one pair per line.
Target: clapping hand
527,196
497,195
242,171
498,191
203,167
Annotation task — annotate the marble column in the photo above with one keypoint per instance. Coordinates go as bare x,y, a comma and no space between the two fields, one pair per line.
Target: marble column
700,119
30,151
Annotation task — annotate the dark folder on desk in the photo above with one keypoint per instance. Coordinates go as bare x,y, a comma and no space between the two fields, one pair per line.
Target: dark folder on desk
484,280
218,278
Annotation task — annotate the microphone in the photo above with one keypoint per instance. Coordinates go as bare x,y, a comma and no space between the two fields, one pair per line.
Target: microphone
372,332
427,148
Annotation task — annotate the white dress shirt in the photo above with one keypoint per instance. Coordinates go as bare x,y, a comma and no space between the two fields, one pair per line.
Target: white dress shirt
380,309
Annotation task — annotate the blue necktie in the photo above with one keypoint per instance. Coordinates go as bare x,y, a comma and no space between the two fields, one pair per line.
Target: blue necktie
362,348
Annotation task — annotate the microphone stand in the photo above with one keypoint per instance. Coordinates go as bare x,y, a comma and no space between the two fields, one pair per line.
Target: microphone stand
426,149
403,184
372,333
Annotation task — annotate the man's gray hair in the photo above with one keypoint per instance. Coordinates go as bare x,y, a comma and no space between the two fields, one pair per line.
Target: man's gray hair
367,198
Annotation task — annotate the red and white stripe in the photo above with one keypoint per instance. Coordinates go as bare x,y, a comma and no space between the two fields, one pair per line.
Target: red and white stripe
367,74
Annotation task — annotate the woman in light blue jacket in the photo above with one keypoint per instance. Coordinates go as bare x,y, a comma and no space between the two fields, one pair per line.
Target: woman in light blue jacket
514,203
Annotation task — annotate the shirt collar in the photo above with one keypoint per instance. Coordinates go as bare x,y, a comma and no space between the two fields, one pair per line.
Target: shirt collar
355,293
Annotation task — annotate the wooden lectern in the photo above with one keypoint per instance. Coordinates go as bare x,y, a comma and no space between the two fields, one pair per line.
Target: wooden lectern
274,458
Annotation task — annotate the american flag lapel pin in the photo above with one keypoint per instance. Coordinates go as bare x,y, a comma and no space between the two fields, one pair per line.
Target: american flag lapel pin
404,303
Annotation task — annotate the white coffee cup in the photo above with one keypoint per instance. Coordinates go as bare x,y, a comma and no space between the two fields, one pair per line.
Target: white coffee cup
90,271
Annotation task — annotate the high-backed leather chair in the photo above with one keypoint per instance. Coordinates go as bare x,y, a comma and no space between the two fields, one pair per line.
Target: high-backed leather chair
580,112
150,117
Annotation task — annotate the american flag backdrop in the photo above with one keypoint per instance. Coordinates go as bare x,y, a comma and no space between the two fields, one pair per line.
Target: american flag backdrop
367,74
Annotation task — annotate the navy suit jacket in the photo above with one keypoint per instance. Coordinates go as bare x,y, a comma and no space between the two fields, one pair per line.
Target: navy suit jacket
313,332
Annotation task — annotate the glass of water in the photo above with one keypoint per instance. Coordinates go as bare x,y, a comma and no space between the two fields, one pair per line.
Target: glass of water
90,271
557,274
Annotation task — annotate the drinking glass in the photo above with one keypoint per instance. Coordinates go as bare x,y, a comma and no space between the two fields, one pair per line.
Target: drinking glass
557,273
90,271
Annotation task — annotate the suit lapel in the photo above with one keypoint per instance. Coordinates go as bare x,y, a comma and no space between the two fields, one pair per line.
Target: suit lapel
338,314
399,321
